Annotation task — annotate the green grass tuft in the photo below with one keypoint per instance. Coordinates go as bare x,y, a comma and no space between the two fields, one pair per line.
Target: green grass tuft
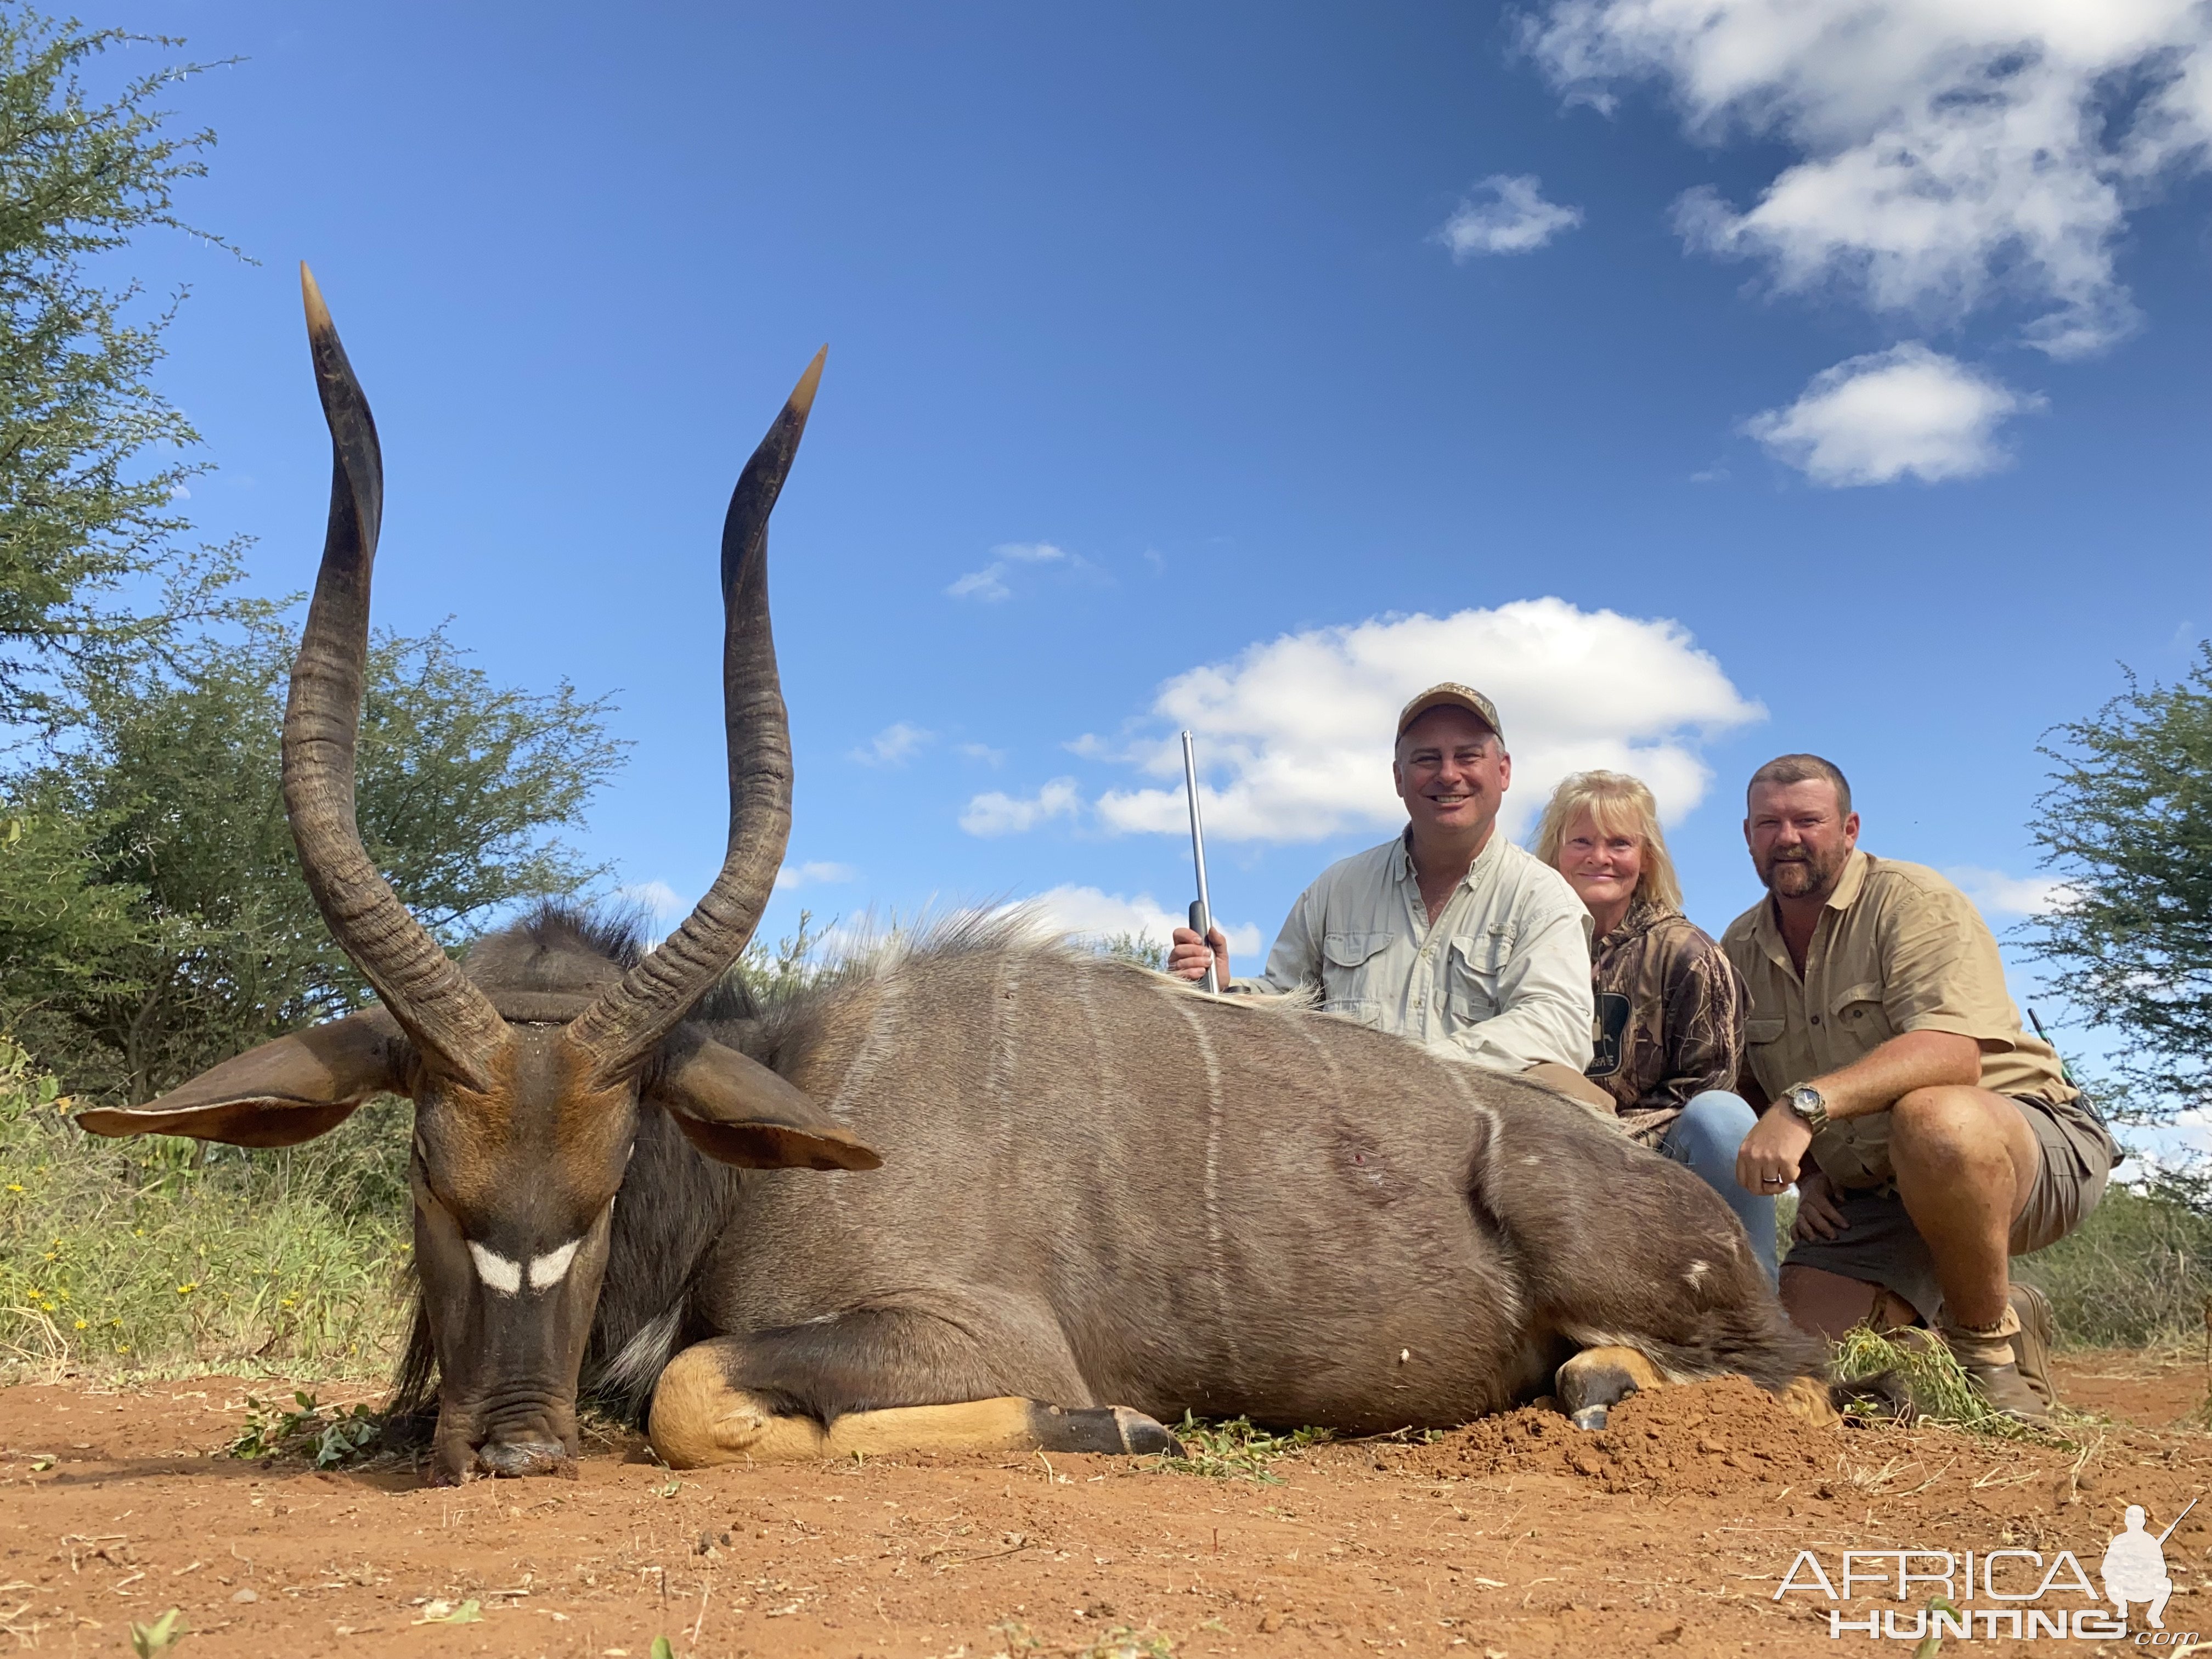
327,1436
1942,1391
159,1255
1235,1449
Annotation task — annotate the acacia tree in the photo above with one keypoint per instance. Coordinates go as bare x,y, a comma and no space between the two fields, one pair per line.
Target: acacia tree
2128,824
92,456
154,920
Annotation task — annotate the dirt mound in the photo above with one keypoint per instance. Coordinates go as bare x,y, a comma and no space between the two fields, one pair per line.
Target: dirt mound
1704,1439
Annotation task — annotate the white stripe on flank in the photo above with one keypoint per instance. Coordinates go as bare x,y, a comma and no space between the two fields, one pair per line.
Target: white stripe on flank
1101,1053
882,1024
1504,1293
860,1071
1216,1245
548,1270
1305,1028
496,1271
1006,989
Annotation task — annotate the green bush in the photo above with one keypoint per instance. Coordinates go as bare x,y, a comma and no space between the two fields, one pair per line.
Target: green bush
161,1253
2137,1274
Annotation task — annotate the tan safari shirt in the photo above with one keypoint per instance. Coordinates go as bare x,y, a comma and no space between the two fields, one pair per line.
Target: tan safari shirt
1502,978
1897,949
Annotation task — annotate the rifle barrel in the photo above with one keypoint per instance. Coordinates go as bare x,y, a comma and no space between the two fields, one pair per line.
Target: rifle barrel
2177,1520
1202,918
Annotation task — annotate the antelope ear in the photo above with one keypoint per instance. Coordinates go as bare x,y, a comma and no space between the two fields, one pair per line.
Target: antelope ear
278,1095
738,1111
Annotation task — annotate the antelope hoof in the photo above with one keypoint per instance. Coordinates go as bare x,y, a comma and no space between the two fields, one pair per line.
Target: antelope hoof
1597,1379
1114,1431
520,1457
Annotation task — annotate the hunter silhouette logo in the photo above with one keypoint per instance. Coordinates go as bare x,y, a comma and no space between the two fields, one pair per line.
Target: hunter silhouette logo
2134,1567
1986,1594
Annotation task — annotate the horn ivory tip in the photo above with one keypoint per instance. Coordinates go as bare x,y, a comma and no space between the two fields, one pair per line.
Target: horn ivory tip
319,314
802,395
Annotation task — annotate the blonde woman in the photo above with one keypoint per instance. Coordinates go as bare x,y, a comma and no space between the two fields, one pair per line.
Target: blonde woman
1670,1008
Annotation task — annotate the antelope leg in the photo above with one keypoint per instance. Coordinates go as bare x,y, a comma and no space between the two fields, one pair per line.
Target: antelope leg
1597,1379
700,1417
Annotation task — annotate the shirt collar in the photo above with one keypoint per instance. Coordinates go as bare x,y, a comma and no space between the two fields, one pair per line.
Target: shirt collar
1852,881
1401,858
1767,930
1642,914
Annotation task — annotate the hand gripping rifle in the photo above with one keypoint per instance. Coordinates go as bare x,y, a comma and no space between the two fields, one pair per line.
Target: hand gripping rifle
1201,910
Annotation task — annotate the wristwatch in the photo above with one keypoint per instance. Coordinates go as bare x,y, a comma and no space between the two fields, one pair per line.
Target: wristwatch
1807,1105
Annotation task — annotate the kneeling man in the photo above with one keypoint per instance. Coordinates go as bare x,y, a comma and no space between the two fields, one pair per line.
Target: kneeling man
1946,1138
1447,933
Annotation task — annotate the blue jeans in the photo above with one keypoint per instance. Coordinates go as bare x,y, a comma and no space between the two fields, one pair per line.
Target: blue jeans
1705,1139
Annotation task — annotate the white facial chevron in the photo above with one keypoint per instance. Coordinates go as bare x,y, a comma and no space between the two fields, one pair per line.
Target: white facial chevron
496,1271
506,1277
548,1270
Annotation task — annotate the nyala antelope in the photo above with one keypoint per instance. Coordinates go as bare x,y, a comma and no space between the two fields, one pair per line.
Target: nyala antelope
988,1192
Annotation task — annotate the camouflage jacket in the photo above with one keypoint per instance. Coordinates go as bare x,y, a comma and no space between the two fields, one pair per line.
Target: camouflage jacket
1670,1012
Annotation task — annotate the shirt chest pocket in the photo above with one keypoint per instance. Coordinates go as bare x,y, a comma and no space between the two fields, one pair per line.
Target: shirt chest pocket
1352,969
1473,974
1767,1053
1861,1021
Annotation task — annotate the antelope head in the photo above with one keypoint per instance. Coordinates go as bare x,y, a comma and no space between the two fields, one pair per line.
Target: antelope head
525,1103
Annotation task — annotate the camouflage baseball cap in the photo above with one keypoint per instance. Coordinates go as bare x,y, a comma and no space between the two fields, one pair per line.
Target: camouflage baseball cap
1450,695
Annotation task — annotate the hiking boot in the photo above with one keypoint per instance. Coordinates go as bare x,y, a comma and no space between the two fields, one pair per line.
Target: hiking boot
2005,1388
2031,1347
1991,1360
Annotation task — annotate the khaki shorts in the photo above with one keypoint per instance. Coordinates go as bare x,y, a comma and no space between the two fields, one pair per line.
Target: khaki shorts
1878,1243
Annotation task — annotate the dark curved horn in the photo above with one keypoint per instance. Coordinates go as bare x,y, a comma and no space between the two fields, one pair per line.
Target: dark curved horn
451,1022
620,1029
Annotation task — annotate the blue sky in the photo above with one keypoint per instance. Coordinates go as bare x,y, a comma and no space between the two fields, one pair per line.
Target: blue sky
1236,366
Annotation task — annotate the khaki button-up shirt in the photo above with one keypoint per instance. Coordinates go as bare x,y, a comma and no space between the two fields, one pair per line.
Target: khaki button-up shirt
1896,949
1501,978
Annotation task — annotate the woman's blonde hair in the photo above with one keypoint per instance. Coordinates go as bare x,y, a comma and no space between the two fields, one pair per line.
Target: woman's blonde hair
1619,805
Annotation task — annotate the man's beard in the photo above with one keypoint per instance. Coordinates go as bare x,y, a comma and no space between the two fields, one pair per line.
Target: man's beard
1800,875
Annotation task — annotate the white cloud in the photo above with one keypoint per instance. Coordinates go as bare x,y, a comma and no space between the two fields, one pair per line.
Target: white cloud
1996,894
895,745
996,813
989,584
1296,731
657,897
1948,151
985,753
1516,219
1875,419
815,873
1088,913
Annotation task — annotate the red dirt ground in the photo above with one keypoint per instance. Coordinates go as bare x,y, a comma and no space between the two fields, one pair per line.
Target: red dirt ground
1513,1539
